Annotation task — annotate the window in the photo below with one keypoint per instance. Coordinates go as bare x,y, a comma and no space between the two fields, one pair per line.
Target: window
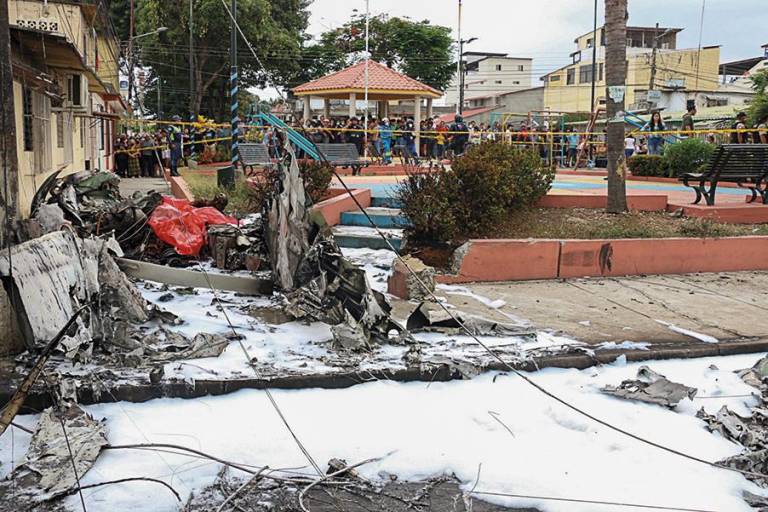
571,78
26,100
499,82
590,43
576,57
602,68
602,37
82,132
498,67
521,67
585,74
554,78
60,130
74,90
516,82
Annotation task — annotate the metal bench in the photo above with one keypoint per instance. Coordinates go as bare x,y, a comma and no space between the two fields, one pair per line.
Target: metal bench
743,164
343,155
254,155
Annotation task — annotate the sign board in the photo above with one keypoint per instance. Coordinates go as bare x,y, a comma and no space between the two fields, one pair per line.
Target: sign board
654,96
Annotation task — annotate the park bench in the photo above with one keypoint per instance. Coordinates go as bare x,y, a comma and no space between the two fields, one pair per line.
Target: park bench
343,155
254,155
743,164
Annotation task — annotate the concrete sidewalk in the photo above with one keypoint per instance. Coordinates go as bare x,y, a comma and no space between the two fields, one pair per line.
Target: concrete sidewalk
130,185
645,309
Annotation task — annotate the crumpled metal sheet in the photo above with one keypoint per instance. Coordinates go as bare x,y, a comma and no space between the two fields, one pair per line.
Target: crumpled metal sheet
57,274
48,472
653,388
288,235
431,317
319,282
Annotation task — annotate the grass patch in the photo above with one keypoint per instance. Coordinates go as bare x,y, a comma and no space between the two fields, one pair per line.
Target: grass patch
241,197
596,224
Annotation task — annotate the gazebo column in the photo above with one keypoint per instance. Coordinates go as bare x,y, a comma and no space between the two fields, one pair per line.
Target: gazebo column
352,104
430,113
327,108
307,109
417,122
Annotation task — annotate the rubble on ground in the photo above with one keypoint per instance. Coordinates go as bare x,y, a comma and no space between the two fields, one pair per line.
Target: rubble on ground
430,317
55,461
320,284
275,491
653,388
418,283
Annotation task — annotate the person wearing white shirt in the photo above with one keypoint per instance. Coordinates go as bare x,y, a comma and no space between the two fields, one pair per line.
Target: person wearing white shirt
630,145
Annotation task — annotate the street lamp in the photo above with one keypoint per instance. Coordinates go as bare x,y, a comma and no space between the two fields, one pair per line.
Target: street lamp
132,57
462,71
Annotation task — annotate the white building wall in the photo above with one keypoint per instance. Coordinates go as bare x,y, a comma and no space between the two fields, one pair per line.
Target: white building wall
494,75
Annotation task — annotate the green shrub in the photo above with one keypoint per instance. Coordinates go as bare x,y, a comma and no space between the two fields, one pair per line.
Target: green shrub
427,207
476,196
648,165
490,181
687,156
317,178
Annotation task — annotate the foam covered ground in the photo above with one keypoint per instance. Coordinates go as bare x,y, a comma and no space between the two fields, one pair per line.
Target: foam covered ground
447,428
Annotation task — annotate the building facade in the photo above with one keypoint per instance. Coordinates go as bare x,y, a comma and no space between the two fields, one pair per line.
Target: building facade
487,74
65,61
675,71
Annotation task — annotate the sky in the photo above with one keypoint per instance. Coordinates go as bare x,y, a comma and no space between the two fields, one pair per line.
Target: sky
545,29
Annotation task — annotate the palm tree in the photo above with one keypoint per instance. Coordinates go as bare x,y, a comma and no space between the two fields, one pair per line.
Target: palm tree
615,78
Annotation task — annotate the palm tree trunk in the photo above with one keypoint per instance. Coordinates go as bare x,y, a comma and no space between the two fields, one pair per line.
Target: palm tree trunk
616,78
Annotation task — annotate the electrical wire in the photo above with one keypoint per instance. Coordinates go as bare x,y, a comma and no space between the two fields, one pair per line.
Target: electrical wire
520,374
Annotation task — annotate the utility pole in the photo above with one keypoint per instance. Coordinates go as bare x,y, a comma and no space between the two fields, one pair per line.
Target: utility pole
130,55
594,61
367,80
192,102
655,51
616,88
159,100
460,70
233,90
10,185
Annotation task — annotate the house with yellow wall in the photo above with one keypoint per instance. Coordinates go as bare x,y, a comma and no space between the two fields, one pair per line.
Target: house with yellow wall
65,59
680,73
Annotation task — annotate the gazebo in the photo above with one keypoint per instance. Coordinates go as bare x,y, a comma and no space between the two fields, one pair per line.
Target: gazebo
384,85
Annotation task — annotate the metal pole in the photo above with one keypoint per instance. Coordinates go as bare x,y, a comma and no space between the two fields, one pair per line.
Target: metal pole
191,64
130,56
594,77
594,61
652,83
367,64
233,86
459,74
159,104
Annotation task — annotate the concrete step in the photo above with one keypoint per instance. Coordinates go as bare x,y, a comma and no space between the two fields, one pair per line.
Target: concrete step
357,237
383,217
385,202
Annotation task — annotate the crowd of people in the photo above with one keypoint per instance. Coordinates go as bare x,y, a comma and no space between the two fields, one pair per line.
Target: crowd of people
145,154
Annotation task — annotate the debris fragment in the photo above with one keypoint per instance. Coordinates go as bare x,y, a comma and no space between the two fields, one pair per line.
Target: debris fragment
653,388
431,317
410,284
48,471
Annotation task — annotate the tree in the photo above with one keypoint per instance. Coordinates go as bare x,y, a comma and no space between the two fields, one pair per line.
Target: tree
275,29
616,78
758,109
418,49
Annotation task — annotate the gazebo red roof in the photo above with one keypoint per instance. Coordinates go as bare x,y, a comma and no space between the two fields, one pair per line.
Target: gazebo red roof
381,81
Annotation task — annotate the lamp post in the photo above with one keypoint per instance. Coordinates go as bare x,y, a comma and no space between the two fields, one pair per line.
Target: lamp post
459,59
462,42
367,64
132,56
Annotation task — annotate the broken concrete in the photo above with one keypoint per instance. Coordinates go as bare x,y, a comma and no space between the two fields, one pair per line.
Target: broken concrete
416,284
